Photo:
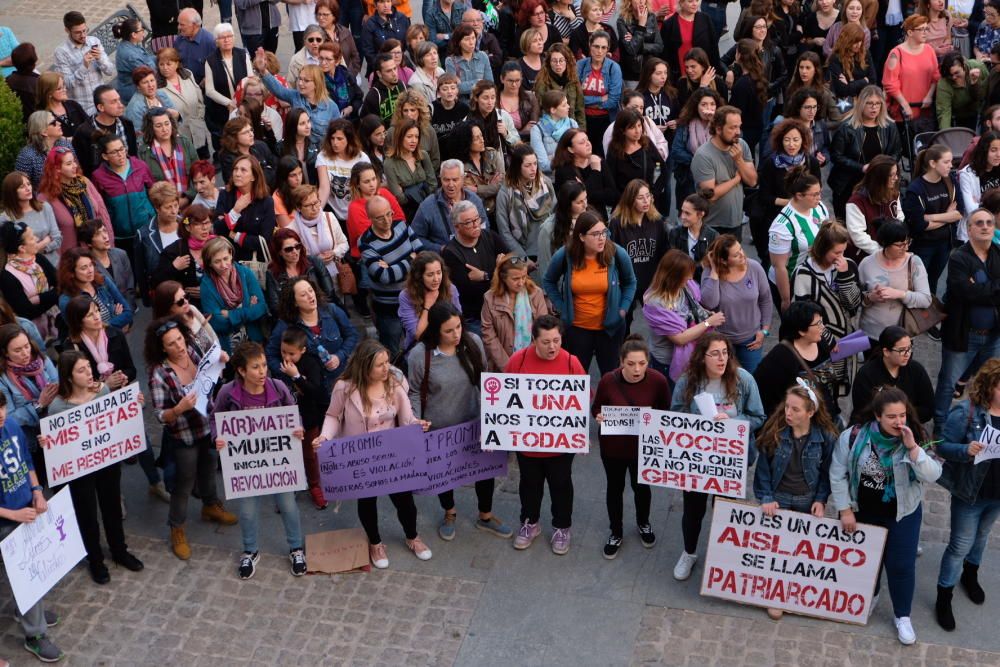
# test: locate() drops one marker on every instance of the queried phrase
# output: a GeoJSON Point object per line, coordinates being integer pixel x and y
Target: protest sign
{"type": "Point", "coordinates": [536, 413]}
{"type": "Point", "coordinates": [338, 551]}
{"type": "Point", "coordinates": [619, 420]}
{"type": "Point", "coordinates": [792, 561]}
{"type": "Point", "coordinates": [39, 554]}
{"type": "Point", "coordinates": [94, 435]}
{"type": "Point", "coordinates": [373, 464]}
{"type": "Point", "coordinates": [454, 458]}
{"type": "Point", "coordinates": [261, 455]}
{"type": "Point", "coordinates": [209, 371]}
{"type": "Point", "coordinates": [990, 438]}
{"type": "Point", "coordinates": [693, 453]}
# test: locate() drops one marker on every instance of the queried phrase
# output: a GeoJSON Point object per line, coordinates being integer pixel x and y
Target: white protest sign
{"type": "Point", "coordinates": [94, 435]}
{"type": "Point", "coordinates": [261, 455]}
{"type": "Point", "coordinates": [792, 561]}
{"type": "Point", "coordinates": [693, 453]}
{"type": "Point", "coordinates": [37, 555]}
{"type": "Point", "coordinates": [209, 371]}
{"type": "Point", "coordinates": [706, 404]}
{"type": "Point", "coordinates": [990, 437]}
{"type": "Point", "coordinates": [619, 420]}
{"type": "Point", "coordinates": [536, 413]}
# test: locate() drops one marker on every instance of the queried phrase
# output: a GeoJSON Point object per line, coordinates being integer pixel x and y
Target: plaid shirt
{"type": "Point", "coordinates": [81, 81]}
{"type": "Point", "coordinates": [167, 391]}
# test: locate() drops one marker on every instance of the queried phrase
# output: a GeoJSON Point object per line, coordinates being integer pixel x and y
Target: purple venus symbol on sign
{"type": "Point", "coordinates": [492, 387]}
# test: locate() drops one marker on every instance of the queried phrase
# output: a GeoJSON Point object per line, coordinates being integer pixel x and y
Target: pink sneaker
{"type": "Point", "coordinates": [526, 535]}
{"type": "Point", "coordinates": [560, 541]}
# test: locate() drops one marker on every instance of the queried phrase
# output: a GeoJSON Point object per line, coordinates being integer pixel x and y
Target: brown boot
{"type": "Point", "coordinates": [218, 514]}
{"type": "Point", "coordinates": [179, 543]}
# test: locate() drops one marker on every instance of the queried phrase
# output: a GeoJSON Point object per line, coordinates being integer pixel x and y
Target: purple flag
{"type": "Point", "coordinates": [373, 464]}
{"type": "Point", "coordinates": [454, 458]}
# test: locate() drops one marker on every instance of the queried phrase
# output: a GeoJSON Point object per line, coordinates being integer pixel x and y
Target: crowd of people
{"type": "Point", "coordinates": [495, 189]}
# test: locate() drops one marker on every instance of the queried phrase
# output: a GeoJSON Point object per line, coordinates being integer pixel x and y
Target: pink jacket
{"type": "Point", "coordinates": [65, 219]}
{"type": "Point", "coordinates": [346, 416]}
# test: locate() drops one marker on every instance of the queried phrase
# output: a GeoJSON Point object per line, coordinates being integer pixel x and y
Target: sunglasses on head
{"type": "Point", "coordinates": [165, 327]}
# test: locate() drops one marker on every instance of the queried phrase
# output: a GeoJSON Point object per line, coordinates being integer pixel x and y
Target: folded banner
{"type": "Point", "coordinates": [536, 413]}
{"type": "Point", "coordinates": [261, 455]}
{"type": "Point", "coordinates": [792, 561]}
{"type": "Point", "coordinates": [693, 453]}
{"type": "Point", "coordinates": [94, 435]}
{"type": "Point", "coordinates": [454, 458]}
{"type": "Point", "coordinates": [850, 345]}
{"type": "Point", "coordinates": [37, 555]}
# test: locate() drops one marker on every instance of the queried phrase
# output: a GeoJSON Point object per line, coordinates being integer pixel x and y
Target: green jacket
{"type": "Point", "coordinates": [965, 102]}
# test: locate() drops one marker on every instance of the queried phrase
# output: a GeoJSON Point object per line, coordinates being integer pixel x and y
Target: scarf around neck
{"type": "Point", "coordinates": [99, 351]}
{"type": "Point", "coordinates": [30, 378]}
{"type": "Point", "coordinates": [785, 161]}
{"type": "Point", "coordinates": [884, 448]}
{"type": "Point", "coordinates": [230, 288]}
{"type": "Point", "coordinates": [74, 196]}
{"type": "Point", "coordinates": [33, 271]}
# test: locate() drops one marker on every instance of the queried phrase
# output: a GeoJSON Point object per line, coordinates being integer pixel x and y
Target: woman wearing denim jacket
{"type": "Point", "coordinates": [713, 369]}
{"type": "Point", "coordinates": [793, 470]}
{"type": "Point", "coordinates": [875, 478]}
{"type": "Point", "coordinates": [974, 487]}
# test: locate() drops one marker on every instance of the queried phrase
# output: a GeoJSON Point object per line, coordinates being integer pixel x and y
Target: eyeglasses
{"type": "Point", "coordinates": [604, 233]}
{"type": "Point", "coordinates": [289, 249]}
{"type": "Point", "coordinates": [873, 103]}
{"type": "Point", "coordinates": [516, 261]}
{"type": "Point", "coordinates": [165, 327]}
{"type": "Point", "coordinates": [902, 245]}
{"type": "Point", "coordinates": [475, 222]}
{"type": "Point", "coordinates": [117, 151]}
{"type": "Point", "coordinates": [818, 323]}
{"type": "Point", "coordinates": [325, 59]}
{"type": "Point", "coordinates": [809, 107]}
{"type": "Point", "coordinates": [53, 122]}
{"type": "Point", "coordinates": [902, 350]}
{"type": "Point", "coordinates": [718, 354]}
{"type": "Point", "coordinates": [181, 302]}
{"type": "Point", "coordinates": [982, 222]}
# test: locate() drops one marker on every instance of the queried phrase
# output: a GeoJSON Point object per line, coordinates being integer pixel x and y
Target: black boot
{"type": "Point", "coordinates": [970, 582]}
{"type": "Point", "coordinates": [942, 608]}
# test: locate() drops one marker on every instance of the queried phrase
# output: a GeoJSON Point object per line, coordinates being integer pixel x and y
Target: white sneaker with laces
{"type": "Point", "coordinates": [684, 566]}
{"type": "Point", "coordinates": [904, 630]}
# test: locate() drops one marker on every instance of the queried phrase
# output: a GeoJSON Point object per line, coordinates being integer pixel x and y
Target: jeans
{"type": "Point", "coordinates": [586, 344]}
{"type": "Point", "coordinates": [617, 471]}
{"type": "Point", "coordinates": [749, 359]}
{"type": "Point", "coordinates": [787, 501]}
{"type": "Point", "coordinates": [558, 472]}
{"type": "Point", "coordinates": [196, 462]}
{"type": "Point", "coordinates": [970, 530]}
{"type": "Point", "coordinates": [980, 347]}
{"type": "Point", "coordinates": [717, 13]}
{"type": "Point", "coordinates": [351, 14]}
{"type": "Point", "coordinates": [389, 327]}
{"type": "Point", "coordinates": [250, 514]}
{"type": "Point", "coordinates": [900, 558]}
{"type": "Point", "coordinates": [484, 496]}
{"type": "Point", "coordinates": [935, 259]}
{"type": "Point", "coordinates": [406, 512]}
{"type": "Point", "coordinates": [33, 620]}
{"type": "Point", "coordinates": [100, 489]}
{"type": "Point", "coordinates": [148, 464]}
{"type": "Point", "coordinates": [474, 326]}
{"type": "Point", "coordinates": [695, 506]}
{"type": "Point", "coordinates": [225, 11]}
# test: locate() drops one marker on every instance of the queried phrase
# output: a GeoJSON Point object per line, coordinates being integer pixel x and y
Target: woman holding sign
{"type": "Point", "coordinates": [793, 470]}
{"type": "Point", "coordinates": [369, 398]}
{"type": "Point", "coordinates": [634, 384]}
{"type": "Point", "coordinates": [100, 488]}
{"type": "Point", "coordinates": [253, 390]}
{"type": "Point", "coordinates": [714, 370]}
{"type": "Point", "coordinates": [875, 478]}
{"type": "Point", "coordinates": [444, 369]}
{"type": "Point", "coordinates": [974, 487]}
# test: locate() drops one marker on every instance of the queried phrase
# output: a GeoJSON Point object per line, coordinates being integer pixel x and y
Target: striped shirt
{"type": "Point", "coordinates": [792, 234]}
{"type": "Point", "coordinates": [395, 252]}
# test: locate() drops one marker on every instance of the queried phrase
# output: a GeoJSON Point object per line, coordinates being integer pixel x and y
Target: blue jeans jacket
{"type": "Point", "coordinates": [337, 335]}
{"type": "Point", "coordinates": [815, 465]}
{"type": "Point", "coordinates": [961, 475]}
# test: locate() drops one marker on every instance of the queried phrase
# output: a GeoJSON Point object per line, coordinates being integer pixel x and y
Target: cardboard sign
{"type": "Point", "coordinates": [209, 371]}
{"type": "Point", "coordinates": [693, 453]}
{"type": "Point", "coordinates": [454, 458]}
{"type": "Point", "coordinates": [338, 551]}
{"type": "Point", "coordinates": [536, 413]}
{"type": "Point", "coordinates": [373, 464]}
{"type": "Point", "coordinates": [792, 561]}
{"type": "Point", "coordinates": [990, 437]}
{"type": "Point", "coordinates": [39, 554]}
{"type": "Point", "coordinates": [620, 420]}
{"type": "Point", "coordinates": [261, 455]}
{"type": "Point", "coordinates": [94, 435]}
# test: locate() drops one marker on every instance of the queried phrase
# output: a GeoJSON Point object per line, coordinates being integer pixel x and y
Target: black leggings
{"type": "Point", "coordinates": [616, 471]}
{"type": "Point", "coordinates": [535, 472]}
{"type": "Point", "coordinates": [100, 490]}
{"type": "Point", "coordinates": [484, 494]}
{"type": "Point", "coordinates": [695, 506]}
{"type": "Point", "coordinates": [406, 512]}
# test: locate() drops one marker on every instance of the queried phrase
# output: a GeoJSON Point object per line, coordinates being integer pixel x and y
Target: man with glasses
{"type": "Point", "coordinates": [432, 221]}
{"type": "Point", "coordinates": [109, 119]}
{"type": "Point", "coordinates": [193, 42]}
{"type": "Point", "coordinates": [82, 62]}
{"type": "Point", "coordinates": [971, 333]}
{"type": "Point", "coordinates": [472, 256]}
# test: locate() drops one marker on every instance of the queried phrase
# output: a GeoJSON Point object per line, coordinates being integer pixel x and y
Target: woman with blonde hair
{"type": "Point", "coordinates": [309, 94]}
{"type": "Point", "coordinates": [53, 97]}
{"type": "Point", "coordinates": [44, 132]}
{"type": "Point", "coordinates": [413, 106]}
{"type": "Point", "coordinates": [186, 96]}
{"type": "Point", "coordinates": [231, 296]}
{"type": "Point", "coordinates": [512, 303]}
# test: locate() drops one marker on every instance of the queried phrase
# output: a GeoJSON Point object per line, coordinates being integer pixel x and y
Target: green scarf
{"type": "Point", "coordinates": [884, 447]}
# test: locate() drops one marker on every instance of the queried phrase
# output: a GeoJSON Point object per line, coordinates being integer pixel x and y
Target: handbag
{"type": "Point", "coordinates": [346, 282]}
{"type": "Point", "coordinates": [918, 320]}
{"type": "Point", "coordinates": [258, 265]}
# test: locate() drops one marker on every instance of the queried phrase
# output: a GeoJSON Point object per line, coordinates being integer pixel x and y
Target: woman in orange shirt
{"type": "Point", "coordinates": [911, 74]}
{"type": "Point", "coordinates": [591, 283]}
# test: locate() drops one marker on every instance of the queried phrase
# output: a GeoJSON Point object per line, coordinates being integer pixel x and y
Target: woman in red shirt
{"type": "Point", "coordinates": [911, 74]}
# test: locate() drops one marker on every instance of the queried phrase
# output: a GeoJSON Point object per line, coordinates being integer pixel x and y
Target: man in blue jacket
{"type": "Point", "coordinates": [432, 223]}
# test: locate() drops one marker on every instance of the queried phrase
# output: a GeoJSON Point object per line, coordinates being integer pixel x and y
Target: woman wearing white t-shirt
{"type": "Point", "coordinates": [793, 230]}
{"type": "Point", "coordinates": [341, 150]}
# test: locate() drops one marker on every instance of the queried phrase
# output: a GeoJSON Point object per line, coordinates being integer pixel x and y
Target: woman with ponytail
{"type": "Point", "coordinates": [794, 229]}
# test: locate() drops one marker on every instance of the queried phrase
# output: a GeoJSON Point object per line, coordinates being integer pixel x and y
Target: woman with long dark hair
{"type": "Point", "coordinates": [697, 72]}
{"type": "Point", "coordinates": [298, 144]}
{"type": "Point", "coordinates": [693, 131]}
{"type": "Point", "coordinates": [555, 232]}
{"type": "Point", "coordinates": [692, 237]}
{"type": "Point", "coordinates": [930, 208]}
{"type": "Point", "coordinates": [575, 160]}
{"type": "Point", "coordinates": [245, 210]}
{"type": "Point", "coordinates": [559, 73]}
{"type": "Point", "coordinates": [28, 280]}
{"type": "Point", "coordinates": [484, 166]}
{"type": "Point", "coordinates": [340, 151]}
{"type": "Point", "coordinates": [875, 200]}
{"type": "Point", "coordinates": [427, 283]}
{"type": "Point", "coordinates": [981, 175]}
{"type": "Point", "coordinates": [181, 260]}
{"type": "Point", "coordinates": [518, 100]}
{"type": "Point", "coordinates": [29, 380]}
{"type": "Point", "coordinates": [631, 155]}
{"type": "Point", "coordinates": [289, 176]}
{"type": "Point", "coordinates": [78, 274]}
{"type": "Point", "coordinates": [525, 200]}
{"type": "Point", "coordinates": [850, 66]}
{"type": "Point", "coordinates": [409, 172]}
{"type": "Point", "coordinates": [750, 91]}
{"type": "Point", "coordinates": [289, 260]}
{"type": "Point", "coordinates": [638, 227]}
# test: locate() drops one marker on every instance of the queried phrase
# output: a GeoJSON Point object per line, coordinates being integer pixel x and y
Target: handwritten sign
{"type": "Point", "coordinates": [261, 455]}
{"type": "Point", "coordinates": [792, 561]}
{"type": "Point", "coordinates": [693, 453]}
{"type": "Point", "coordinates": [454, 458]}
{"type": "Point", "coordinates": [336, 551]}
{"type": "Point", "coordinates": [620, 420]}
{"type": "Point", "coordinates": [39, 554]}
{"type": "Point", "coordinates": [94, 435]}
{"type": "Point", "coordinates": [209, 371]}
{"type": "Point", "coordinates": [536, 413]}
{"type": "Point", "coordinates": [373, 464]}
{"type": "Point", "coordinates": [990, 437]}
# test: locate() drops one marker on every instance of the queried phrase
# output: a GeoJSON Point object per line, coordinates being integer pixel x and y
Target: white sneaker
{"type": "Point", "coordinates": [904, 630]}
{"type": "Point", "coordinates": [684, 566]}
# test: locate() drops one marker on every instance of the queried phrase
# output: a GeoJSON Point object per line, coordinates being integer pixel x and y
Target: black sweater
{"type": "Point", "coordinates": [963, 293]}
{"type": "Point", "coordinates": [913, 380]}
{"type": "Point", "coordinates": [13, 292]}
{"type": "Point", "coordinates": [118, 353]}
